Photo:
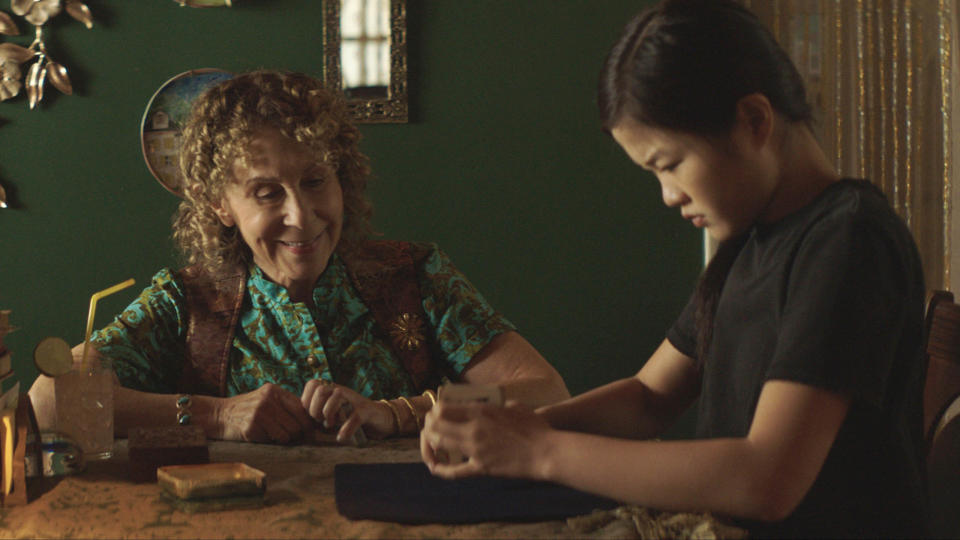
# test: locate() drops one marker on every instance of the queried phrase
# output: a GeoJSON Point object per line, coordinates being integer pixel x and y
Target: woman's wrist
{"type": "Point", "coordinates": [205, 412]}
{"type": "Point", "coordinates": [394, 414]}
{"type": "Point", "coordinates": [408, 413]}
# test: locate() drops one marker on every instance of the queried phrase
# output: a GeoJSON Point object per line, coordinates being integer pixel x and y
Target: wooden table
{"type": "Point", "coordinates": [102, 502]}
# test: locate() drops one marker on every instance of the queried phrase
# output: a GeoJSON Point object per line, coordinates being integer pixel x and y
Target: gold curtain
{"type": "Point", "coordinates": [880, 75]}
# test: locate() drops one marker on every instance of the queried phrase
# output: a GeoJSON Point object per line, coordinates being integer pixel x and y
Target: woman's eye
{"type": "Point", "coordinates": [315, 182]}
{"type": "Point", "coordinates": [267, 193]}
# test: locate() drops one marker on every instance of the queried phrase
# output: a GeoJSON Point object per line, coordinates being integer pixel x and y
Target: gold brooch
{"type": "Point", "coordinates": [407, 331]}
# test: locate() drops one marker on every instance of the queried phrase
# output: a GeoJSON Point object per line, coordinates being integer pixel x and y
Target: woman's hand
{"type": "Point", "coordinates": [268, 414]}
{"type": "Point", "coordinates": [501, 441]}
{"type": "Point", "coordinates": [323, 402]}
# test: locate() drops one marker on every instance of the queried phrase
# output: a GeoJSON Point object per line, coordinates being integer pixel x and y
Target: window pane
{"type": "Point", "coordinates": [351, 18]}
{"type": "Point", "coordinates": [351, 64]}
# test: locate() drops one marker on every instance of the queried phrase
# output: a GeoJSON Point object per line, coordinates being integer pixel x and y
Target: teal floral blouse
{"type": "Point", "coordinates": [288, 343]}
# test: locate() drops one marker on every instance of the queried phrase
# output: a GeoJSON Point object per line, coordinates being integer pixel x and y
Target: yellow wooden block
{"type": "Point", "coordinates": [7, 438]}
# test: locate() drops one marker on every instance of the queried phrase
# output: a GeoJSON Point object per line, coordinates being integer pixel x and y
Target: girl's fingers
{"type": "Point", "coordinates": [426, 451]}
{"type": "Point", "coordinates": [455, 470]}
{"type": "Point", "coordinates": [447, 439]}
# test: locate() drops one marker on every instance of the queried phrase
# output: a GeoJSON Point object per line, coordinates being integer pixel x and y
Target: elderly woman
{"type": "Point", "coordinates": [288, 311]}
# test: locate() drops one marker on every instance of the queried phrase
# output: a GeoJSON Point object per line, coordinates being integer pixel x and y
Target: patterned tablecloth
{"type": "Point", "coordinates": [102, 502]}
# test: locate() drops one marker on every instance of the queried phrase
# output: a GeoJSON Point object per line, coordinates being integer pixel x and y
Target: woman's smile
{"type": "Point", "coordinates": [302, 247]}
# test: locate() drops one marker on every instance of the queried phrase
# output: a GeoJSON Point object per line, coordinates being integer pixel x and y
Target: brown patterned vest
{"type": "Point", "coordinates": [383, 273]}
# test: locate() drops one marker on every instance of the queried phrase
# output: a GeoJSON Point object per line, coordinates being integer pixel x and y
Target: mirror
{"type": "Point", "coordinates": [365, 55]}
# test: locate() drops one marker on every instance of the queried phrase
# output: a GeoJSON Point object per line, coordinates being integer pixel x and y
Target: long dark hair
{"type": "Point", "coordinates": [682, 65]}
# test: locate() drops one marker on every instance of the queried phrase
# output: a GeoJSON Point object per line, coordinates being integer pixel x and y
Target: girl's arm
{"type": "Point", "coordinates": [637, 407]}
{"type": "Point", "coordinates": [761, 476]}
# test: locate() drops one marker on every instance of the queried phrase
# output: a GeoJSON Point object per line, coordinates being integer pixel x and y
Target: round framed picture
{"type": "Point", "coordinates": [163, 119]}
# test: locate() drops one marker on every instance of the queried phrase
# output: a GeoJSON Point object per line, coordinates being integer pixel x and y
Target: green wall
{"type": "Point", "coordinates": [502, 164]}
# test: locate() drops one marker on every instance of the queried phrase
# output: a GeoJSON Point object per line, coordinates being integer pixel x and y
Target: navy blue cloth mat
{"type": "Point", "coordinates": [408, 493]}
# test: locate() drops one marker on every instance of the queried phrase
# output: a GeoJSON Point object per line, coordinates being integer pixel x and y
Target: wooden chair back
{"type": "Point", "coordinates": [941, 413]}
{"type": "Point", "coordinates": [942, 327]}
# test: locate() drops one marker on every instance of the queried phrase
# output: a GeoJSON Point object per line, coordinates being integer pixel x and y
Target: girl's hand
{"type": "Point", "coordinates": [500, 441]}
{"type": "Point", "coordinates": [323, 400]}
{"type": "Point", "coordinates": [268, 414]}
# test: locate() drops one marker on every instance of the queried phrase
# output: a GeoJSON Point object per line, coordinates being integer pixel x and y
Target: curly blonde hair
{"type": "Point", "coordinates": [223, 121]}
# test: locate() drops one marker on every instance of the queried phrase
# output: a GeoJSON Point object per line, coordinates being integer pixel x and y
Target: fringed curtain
{"type": "Point", "coordinates": [880, 75]}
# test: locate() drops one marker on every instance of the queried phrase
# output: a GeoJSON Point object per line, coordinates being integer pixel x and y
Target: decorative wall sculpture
{"type": "Point", "coordinates": [42, 67]}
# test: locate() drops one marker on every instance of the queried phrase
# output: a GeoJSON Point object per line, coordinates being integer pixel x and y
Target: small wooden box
{"type": "Point", "coordinates": [212, 480]}
{"type": "Point", "coordinates": [150, 448]}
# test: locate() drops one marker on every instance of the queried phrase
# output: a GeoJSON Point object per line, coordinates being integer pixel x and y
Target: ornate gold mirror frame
{"type": "Point", "coordinates": [384, 100]}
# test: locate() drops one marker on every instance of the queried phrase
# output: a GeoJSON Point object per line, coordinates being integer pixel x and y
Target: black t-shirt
{"type": "Point", "coordinates": [831, 296]}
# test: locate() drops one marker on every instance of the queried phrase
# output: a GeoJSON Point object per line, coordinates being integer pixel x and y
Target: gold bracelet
{"type": "Point", "coordinates": [433, 398]}
{"type": "Point", "coordinates": [412, 411]}
{"type": "Point", "coordinates": [396, 413]}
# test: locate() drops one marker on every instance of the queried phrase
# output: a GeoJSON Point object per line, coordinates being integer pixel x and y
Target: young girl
{"type": "Point", "coordinates": [801, 344]}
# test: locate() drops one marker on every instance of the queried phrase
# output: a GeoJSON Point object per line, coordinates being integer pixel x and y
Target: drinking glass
{"type": "Point", "coordinates": [84, 403]}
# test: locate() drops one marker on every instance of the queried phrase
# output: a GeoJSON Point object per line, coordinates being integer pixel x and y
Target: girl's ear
{"type": "Point", "coordinates": [223, 212]}
{"type": "Point", "coordinates": [755, 117]}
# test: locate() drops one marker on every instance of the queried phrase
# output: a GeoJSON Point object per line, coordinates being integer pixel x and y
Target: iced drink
{"type": "Point", "coordinates": [85, 407]}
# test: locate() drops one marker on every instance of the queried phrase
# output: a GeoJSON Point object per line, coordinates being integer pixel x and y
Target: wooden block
{"type": "Point", "coordinates": [211, 480]}
{"type": "Point", "coordinates": [8, 435]}
{"type": "Point", "coordinates": [24, 423]}
{"type": "Point", "coordinates": [152, 447]}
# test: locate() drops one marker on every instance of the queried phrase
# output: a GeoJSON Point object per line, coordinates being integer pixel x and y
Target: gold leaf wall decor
{"type": "Point", "coordinates": [15, 75]}
{"type": "Point", "coordinates": [9, 78]}
{"type": "Point", "coordinates": [7, 26]}
{"type": "Point", "coordinates": [80, 12]}
{"type": "Point", "coordinates": [43, 69]}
